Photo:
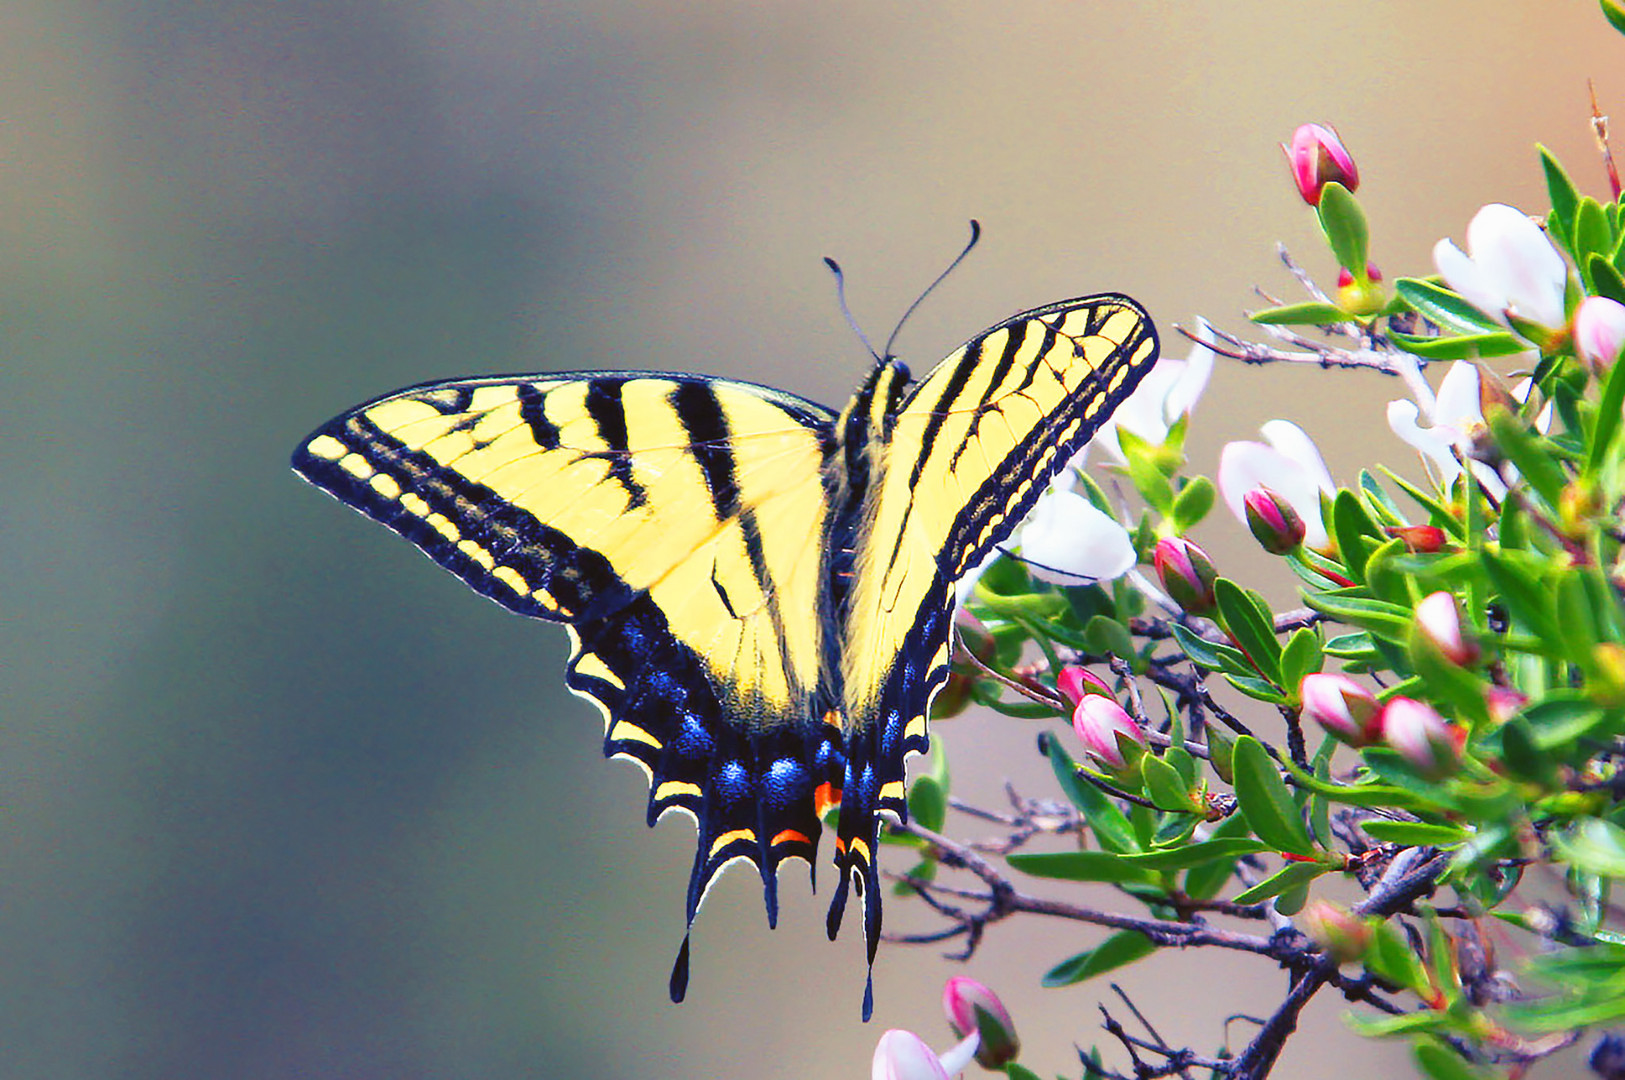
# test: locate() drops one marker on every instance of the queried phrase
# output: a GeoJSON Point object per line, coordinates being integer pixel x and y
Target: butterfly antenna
{"type": "Point", "coordinates": [975, 235]}
{"type": "Point", "coordinates": [840, 298]}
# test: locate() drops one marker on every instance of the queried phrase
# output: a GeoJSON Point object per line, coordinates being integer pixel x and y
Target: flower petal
{"type": "Point", "coordinates": [1068, 541]}
{"type": "Point", "coordinates": [1519, 262]}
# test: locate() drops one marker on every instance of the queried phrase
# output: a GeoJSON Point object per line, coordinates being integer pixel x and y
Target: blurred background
{"type": "Point", "coordinates": [282, 799]}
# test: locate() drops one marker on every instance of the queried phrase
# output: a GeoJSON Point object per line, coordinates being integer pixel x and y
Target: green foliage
{"type": "Point", "coordinates": [1517, 713]}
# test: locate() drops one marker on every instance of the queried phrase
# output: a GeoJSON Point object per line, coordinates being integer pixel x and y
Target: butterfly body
{"type": "Point", "coordinates": [759, 590]}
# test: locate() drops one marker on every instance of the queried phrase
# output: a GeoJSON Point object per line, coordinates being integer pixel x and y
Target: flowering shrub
{"type": "Point", "coordinates": [1442, 720]}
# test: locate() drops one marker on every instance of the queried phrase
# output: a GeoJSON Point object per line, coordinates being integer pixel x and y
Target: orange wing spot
{"type": "Point", "coordinates": [840, 846]}
{"type": "Point", "coordinates": [826, 795]}
{"type": "Point", "coordinates": [832, 718]}
{"type": "Point", "coordinates": [790, 836]}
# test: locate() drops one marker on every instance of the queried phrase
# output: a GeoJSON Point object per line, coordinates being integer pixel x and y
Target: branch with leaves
{"type": "Point", "coordinates": [1442, 721]}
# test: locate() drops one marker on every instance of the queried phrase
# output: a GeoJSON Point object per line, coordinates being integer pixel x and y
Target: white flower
{"type": "Point", "coordinates": [903, 1055]}
{"type": "Point", "coordinates": [1169, 390]}
{"type": "Point", "coordinates": [1510, 266]}
{"type": "Point", "coordinates": [1066, 540]}
{"type": "Point", "coordinates": [1457, 425]}
{"type": "Point", "coordinates": [1290, 466]}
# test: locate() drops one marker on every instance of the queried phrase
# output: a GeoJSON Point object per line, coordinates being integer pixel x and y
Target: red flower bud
{"type": "Point", "coordinates": [972, 1008]}
{"type": "Point", "coordinates": [1429, 744]}
{"type": "Point", "coordinates": [1074, 682]}
{"type": "Point", "coordinates": [1348, 711]}
{"type": "Point", "coordinates": [1187, 573]}
{"type": "Point", "coordinates": [1317, 157]}
{"type": "Point", "coordinates": [1273, 521]}
{"type": "Point", "coordinates": [1438, 621]}
{"type": "Point", "coordinates": [1422, 539]}
{"type": "Point", "coordinates": [1342, 934]}
{"type": "Point", "coordinates": [1108, 733]}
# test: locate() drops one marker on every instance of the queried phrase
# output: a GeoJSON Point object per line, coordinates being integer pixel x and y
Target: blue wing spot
{"type": "Point", "coordinates": [785, 783]}
{"type": "Point", "coordinates": [694, 741]}
{"type": "Point", "coordinates": [733, 782]}
{"type": "Point", "coordinates": [891, 735]}
{"type": "Point", "coordinates": [666, 686]}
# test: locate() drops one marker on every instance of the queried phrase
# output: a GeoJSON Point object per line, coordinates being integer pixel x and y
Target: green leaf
{"type": "Point", "coordinates": [1356, 646]}
{"type": "Point", "coordinates": [1390, 957]}
{"type": "Point", "coordinates": [1291, 876]}
{"type": "Point", "coordinates": [1414, 833]}
{"type": "Point", "coordinates": [1108, 823]}
{"type": "Point", "coordinates": [1464, 347]}
{"type": "Point", "coordinates": [1309, 313]}
{"type": "Point", "coordinates": [1343, 222]}
{"type": "Point", "coordinates": [1388, 621]}
{"type": "Point", "coordinates": [1591, 232]}
{"type": "Point", "coordinates": [1105, 635]}
{"type": "Point", "coordinates": [1350, 523]}
{"type": "Point", "coordinates": [1438, 1061]}
{"type": "Point", "coordinates": [1301, 657]}
{"type": "Point", "coordinates": [1256, 688]}
{"type": "Point", "coordinates": [1248, 619]}
{"type": "Point", "coordinates": [1595, 846]}
{"type": "Point", "coordinates": [1122, 948]}
{"type": "Point", "coordinates": [1447, 681]}
{"type": "Point", "coordinates": [1192, 503]}
{"type": "Point", "coordinates": [1530, 453]}
{"type": "Point", "coordinates": [1265, 800]}
{"type": "Point", "coordinates": [928, 803]}
{"type": "Point", "coordinates": [1017, 1071]}
{"type": "Point", "coordinates": [1614, 12]}
{"type": "Point", "coordinates": [1166, 787]}
{"type": "Point", "coordinates": [1081, 866]}
{"type": "Point", "coordinates": [1222, 849]}
{"type": "Point", "coordinates": [1605, 280]}
{"type": "Point", "coordinates": [1609, 409]}
{"type": "Point", "coordinates": [1381, 1026]}
{"type": "Point", "coordinates": [1209, 654]}
{"type": "Point", "coordinates": [1445, 308]}
{"type": "Point", "coordinates": [1565, 200]}
{"type": "Point", "coordinates": [1518, 584]}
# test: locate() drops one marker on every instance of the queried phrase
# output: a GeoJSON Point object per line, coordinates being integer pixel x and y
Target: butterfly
{"type": "Point", "coordinates": [759, 590]}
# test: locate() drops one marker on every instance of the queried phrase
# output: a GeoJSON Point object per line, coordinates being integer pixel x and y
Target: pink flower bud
{"type": "Point", "coordinates": [1439, 622]}
{"type": "Point", "coordinates": [1317, 157]}
{"type": "Point", "coordinates": [1599, 330]}
{"type": "Point", "coordinates": [1187, 573]}
{"type": "Point", "coordinates": [972, 1008]}
{"type": "Point", "coordinates": [1429, 743]}
{"type": "Point", "coordinates": [1273, 521]}
{"type": "Point", "coordinates": [1342, 934]}
{"type": "Point", "coordinates": [1074, 682]}
{"type": "Point", "coordinates": [1503, 703]}
{"type": "Point", "coordinates": [1422, 539]}
{"type": "Point", "coordinates": [903, 1055]}
{"type": "Point", "coordinates": [1106, 731]}
{"type": "Point", "coordinates": [1348, 711]}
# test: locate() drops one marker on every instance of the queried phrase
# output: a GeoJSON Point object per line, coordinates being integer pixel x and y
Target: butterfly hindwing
{"type": "Point", "coordinates": [959, 464]}
{"type": "Point", "coordinates": [632, 508]}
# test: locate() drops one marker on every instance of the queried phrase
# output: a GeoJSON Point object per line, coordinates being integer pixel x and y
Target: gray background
{"type": "Point", "coordinates": [282, 799]}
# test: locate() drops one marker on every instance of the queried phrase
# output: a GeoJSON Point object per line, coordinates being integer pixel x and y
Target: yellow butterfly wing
{"type": "Point", "coordinates": [953, 470]}
{"type": "Point", "coordinates": [677, 525]}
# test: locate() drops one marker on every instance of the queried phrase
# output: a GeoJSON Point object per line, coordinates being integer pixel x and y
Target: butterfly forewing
{"type": "Point", "coordinates": [676, 523]}
{"type": "Point", "coordinates": [960, 464]}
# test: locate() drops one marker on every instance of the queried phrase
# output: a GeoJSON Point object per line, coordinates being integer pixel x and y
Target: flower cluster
{"type": "Point", "coordinates": [1446, 705]}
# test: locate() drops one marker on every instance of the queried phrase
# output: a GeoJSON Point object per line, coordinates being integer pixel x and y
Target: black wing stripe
{"type": "Point", "coordinates": [609, 414]}
{"type": "Point", "coordinates": [533, 412]}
